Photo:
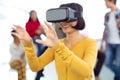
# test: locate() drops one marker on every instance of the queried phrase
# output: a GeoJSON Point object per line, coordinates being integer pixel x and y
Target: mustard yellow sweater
{"type": "Point", "coordinates": [76, 63]}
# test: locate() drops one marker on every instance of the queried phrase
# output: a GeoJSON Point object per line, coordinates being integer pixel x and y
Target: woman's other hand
{"type": "Point", "coordinates": [21, 33]}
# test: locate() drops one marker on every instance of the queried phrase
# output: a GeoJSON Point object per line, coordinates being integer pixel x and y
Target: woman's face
{"type": "Point", "coordinates": [33, 16]}
{"type": "Point", "coordinates": [67, 27]}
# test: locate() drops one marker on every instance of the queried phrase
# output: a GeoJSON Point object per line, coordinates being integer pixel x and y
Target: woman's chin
{"type": "Point", "coordinates": [66, 32]}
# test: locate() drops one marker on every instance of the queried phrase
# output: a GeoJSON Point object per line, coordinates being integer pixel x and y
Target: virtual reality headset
{"type": "Point", "coordinates": [62, 14]}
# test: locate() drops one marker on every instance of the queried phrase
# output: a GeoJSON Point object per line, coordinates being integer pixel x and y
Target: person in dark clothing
{"type": "Point", "coordinates": [99, 64]}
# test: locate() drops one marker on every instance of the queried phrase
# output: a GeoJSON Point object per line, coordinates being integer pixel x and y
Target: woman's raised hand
{"type": "Point", "coordinates": [51, 36]}
{"type": "Point", "coordinates": [21, 33]}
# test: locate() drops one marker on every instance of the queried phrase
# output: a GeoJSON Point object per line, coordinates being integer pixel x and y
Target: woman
{"type": "Point", "coordinates": [35, 30]}
{"type": "Point", "coordinates": [74, 56]}
{"type": "Point", "coordinates": [17, 61]}
{"type": "Point", "coordinates": [33, 26]}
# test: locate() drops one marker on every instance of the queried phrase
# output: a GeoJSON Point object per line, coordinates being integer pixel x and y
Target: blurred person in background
{"type": "Point", "coordinates": [35, 30]}
{"type": "Point", "coordinates": [111, 37]}
{"type": "Point", "coordinates": [18, 61]}
{"type": "Point", "coordinates": [99, 64]}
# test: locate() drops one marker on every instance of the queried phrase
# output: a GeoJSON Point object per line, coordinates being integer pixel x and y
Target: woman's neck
{"type": "Point", "coordinates": [72, 35]}
{"type": "Point", "coordinates": [73, 38]}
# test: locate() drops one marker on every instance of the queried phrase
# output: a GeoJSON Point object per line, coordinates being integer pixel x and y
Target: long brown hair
{"type": "Point", "coordinates": [30, 16]}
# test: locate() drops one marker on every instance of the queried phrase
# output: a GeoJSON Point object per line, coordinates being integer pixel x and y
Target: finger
{"type": "Point", "coordinates": [48, 25]}
{"type": "Point", "coordinates": [40, 41]}
{"type": "Point", "coordinates": [15, 27]}
{"type": "Point", "coordinates": [44, 28]}
{"type": "Point", "coordinates": [15, 34]}
{"type": "Point", "coordinates": [18, 28]}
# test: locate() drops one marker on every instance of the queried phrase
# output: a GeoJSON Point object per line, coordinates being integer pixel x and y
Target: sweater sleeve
{"type": "Point", "coordinates": [37, 63]}
{"type": "Point", "coordinates": [84, 66]}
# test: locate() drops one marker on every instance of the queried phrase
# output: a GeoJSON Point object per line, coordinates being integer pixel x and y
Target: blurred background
{"type": "Point", "coordinates": [17, 12]}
